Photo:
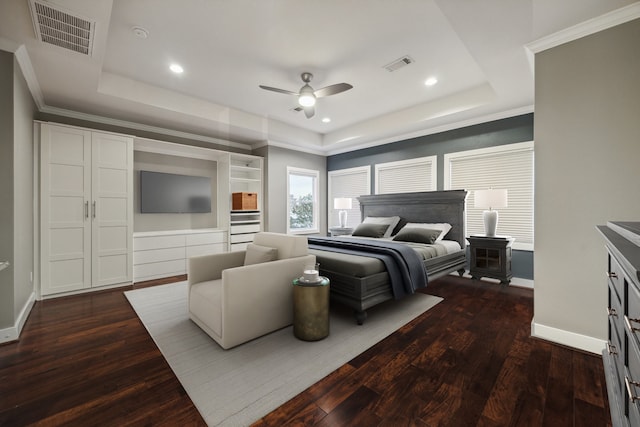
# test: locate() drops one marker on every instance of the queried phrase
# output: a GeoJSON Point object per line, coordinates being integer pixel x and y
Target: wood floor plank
{"type": "Point", "coordinates": [469, 361]}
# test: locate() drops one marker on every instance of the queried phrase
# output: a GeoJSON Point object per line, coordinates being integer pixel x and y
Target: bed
{"type": "Point", "coordinates": [360, 282]}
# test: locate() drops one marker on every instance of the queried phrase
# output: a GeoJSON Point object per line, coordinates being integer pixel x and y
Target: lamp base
{"type": "Point", "coordinates": [490, 222]}
{"type": "Point", "coordinates": [343, 219]}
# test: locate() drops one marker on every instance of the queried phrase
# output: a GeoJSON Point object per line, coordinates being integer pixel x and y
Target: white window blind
{"type": "Point", "coordinates": [351, 183]}
{"type": "Point", "coordinates": [509, 166]}
{"type": "Point", "coordinates": [406, 176]}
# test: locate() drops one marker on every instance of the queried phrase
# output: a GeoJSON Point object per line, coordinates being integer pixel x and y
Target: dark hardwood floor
{"type": "Point", "coordinates": [88, 361]}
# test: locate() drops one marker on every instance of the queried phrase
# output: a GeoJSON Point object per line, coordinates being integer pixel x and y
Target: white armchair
{"type": "Point", "coordinates": [233, 302]}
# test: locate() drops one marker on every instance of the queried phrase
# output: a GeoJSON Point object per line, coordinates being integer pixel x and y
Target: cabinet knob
{"type": "Point", "coordinates": [611, 349]}
{"type": "Point", "coordinates": [612, 275]}
{"type": "Point", "coordinates": [612, 312]}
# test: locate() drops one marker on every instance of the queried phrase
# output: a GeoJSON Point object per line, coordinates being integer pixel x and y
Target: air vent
{"type": "Point", "coordinates": [399, 63]}
{"type": "Point", "coordinates": [62, 29]}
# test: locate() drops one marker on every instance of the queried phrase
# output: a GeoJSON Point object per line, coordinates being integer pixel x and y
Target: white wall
{"type": "Point", "coordinates": [587, 133]}
{"type": "Point", "coordinates": [23, 197]}
{"type": "Point", "coordinates": [16, 188]}
{"type": "Point", "coordinates": [177, 165]}
{"type": "Point", "coordinates": [275, 173]}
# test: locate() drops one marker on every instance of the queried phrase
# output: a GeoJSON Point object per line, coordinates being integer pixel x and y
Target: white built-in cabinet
{"type": "Point", "coordinates": [245, 176]}
{"type": "Point", "coordinates": [86, 209]}
{"type": "Point", "coordinates": [237, 173]}
{"type": "Point", "coordinates": [166, 253]}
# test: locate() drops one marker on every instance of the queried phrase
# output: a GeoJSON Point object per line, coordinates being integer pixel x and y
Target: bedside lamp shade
{"type": "Point", "coordinates": [342, 203]}
{"type": "Point", "coordinates": [490, 199]}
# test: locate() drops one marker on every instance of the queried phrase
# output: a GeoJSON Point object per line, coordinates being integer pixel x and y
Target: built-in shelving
{"type": "Point", "coordinates": [245, 176]}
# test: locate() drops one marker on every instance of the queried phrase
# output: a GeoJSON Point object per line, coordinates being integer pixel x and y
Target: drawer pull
{"type": "Point", "coordinates": [628, 321]}
{"type": "Point", "coordinates": [628, 383]}
{"type": "Point", "coordinates": [611, 349]}
{"type": "Point", "coordinates": [612, 312]}
{"type": "Point", "coordinates": [612, 275]}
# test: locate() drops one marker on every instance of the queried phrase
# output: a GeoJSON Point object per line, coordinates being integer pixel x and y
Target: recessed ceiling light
{"type": "Point", "coordinates": [326, 120]}
{"type": "Point", "coordinates": [176, 68]}
{"type": "Point", "coordinates": [431, 81]}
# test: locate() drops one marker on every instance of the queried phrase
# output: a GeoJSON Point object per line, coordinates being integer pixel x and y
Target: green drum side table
{"type": "Point", "coordinates": [311, 309]}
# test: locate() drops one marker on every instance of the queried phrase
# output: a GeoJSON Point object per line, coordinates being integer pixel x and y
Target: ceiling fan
{"type": "Point", "coordinates": [307, 96]}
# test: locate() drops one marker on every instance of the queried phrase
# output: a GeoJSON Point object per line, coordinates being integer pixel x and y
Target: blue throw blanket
{"type": "Point", "coordinates": [404, 266]}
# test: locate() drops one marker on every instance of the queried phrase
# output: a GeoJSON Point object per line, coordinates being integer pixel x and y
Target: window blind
{"type": "Point", "coordinates": [406, 176]}
{"type": "Point", "coordinates": [505, 167]}
{"type": "Point", "coordinates": [351, 183]}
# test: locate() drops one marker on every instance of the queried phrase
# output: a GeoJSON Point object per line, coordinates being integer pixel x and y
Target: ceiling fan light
{"type": "Point", "coordinates": [307, 100]}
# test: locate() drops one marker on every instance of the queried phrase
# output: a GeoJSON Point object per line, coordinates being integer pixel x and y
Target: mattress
{"type": "Point", "coordinates": [362, 266]}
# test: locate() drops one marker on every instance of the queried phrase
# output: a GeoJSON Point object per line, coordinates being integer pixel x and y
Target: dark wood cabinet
{"type": "Point", "coordinates": [621, 356]}
{"type": "Point", "coordinates": [490, 257]}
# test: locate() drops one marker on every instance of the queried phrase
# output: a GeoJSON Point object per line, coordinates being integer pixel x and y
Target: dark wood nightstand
{"type": "Point", "coordinates": [340, 231]}
{"type": "Point", "coordinates": [491, 257]}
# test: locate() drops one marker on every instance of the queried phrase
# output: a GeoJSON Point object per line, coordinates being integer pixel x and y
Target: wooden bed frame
{"type": "Point", "coordinates": [421, 207]}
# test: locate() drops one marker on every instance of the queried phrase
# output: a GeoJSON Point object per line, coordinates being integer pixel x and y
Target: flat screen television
{"type": "Point", "coordinates": [170, 193]}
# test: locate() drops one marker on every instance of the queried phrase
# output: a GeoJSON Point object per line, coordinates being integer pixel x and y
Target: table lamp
{"type": "Point", "coordinates": [342, 203]}
{"type": "Point", "coordinates": [490, 199]}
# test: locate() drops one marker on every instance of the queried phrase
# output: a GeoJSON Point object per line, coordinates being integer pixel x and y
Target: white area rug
{"type": "Point", "coordinates": [239, 386]}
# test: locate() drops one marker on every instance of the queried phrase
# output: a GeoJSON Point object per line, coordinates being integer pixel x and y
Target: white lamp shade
{"type": "Point", "coordinates": [490, 199]}
{"type": "Point", "coordinates": [342, 203]}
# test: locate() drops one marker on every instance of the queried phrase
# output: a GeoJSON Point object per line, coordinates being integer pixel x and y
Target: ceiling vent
{"type": "Point", "coordinates": [399, 63]}
{"type": "Point", "coordinates": [60, 28]}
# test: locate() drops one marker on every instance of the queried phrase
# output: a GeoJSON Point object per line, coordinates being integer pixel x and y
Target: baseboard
{"type": "Point", "coordinates": [515, 281]}
{"type": "Point", "coordinates": [13, 333]}
{"type": "Point", "coordinates": [571, 339]}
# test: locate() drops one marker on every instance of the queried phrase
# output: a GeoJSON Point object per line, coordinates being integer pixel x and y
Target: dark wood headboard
{"type": "Point", "coordinates": [426, 206]}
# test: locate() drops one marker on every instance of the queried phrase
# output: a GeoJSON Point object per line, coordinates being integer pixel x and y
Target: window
{"type": "Point", "coordinates": [352, 182]}
{"type": "Point", "coordinates": [406, 176]}
{"type": "Point", "coordinates": [302, 203]}
{"type": "Point", "coordinates": [506, 166]}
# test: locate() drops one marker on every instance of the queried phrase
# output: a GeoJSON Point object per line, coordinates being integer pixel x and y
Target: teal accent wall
{"type": "Point", "coordinates": [489, 134]}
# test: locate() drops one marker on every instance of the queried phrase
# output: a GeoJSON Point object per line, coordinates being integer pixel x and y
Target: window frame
{"type": "Point", "coordinates": [489, 151]}
{"type": "Point", "coordinates": [315, 174]}
{"type": "Point", "coordinates": [430, 160]}
{"type": "Point", "coordinates": [354, 212]}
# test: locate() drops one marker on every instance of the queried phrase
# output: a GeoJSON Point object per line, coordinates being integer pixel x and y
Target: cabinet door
{"type": "Point", "coordinates": [65, 224]}
{"type": "Point", "coordinates": [112, 209]}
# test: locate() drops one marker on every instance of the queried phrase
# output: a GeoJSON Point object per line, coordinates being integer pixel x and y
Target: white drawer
{"type": "Point", "coordinates": [248, 228]}
{"type": "Point", "coordinates": [238, 246]}
{"type": "Point", "coordinates": [206, 238]}
{"type": "Point", "coordinates": [242, 238]}
{"type": "Point", "coordinates": [158, 255]}
{"type": "Point", "coordinates": [158, 242]}
{"type": "Point", "coordinates": [205, 249]}
{"type": "Point", "coordinates": [159, 269]}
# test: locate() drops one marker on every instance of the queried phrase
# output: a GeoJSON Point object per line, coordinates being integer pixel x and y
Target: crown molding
{"type": "Point", "coordinates": [24, 61]}
{"type": "Point", "coordinates": [288, 146]}
{"type": "Point", "coordinates": [591, 26]}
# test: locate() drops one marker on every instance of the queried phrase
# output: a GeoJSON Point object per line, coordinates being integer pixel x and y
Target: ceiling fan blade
{"type": "Point", "coordinates": [275, 89]}
{"type": "Point", "coordinates": [309, 111]}
{"type": "Point", "coordinates": [332, 90]}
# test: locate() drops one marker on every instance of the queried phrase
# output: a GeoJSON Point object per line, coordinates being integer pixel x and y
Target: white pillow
{"type": "Point", "coordinates": [444, 226]}
{"type": "Point", "coordinates": [257, 254]}
{"type": "Point", "coordinates": [391, 220]}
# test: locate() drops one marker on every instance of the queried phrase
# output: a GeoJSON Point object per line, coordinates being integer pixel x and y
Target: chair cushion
{"type": "Point", "coordinates": [257, 254]}
{"type": "Point", "coordinates": [205, 301]}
